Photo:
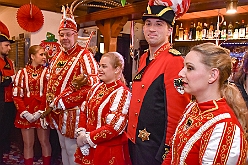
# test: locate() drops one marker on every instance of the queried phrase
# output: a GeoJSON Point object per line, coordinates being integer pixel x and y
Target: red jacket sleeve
{"type": "Point", "coordinates": [43, 98]}
{"type": "Point", "coordinates": [18, 91]}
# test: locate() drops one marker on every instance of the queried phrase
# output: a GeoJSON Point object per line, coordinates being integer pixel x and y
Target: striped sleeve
{"type": "Point", "coordinates": [18, 91]}
{"type": "Point", "coordinates": [225, 145]}
{"type": "Point", "coordinates": [89, 66]}
{"type": "Point", "coordinates": [115, 120]}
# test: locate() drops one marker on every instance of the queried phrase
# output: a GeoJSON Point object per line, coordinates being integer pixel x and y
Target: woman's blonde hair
{"type": "Point", "coordinates": [217, 57]}
{"type": "Point", "coordinates": [116, 60]}
{"type": "Point", "coordinates": [33, 50]}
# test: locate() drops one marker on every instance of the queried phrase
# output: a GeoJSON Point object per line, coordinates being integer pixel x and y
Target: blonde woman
{"type": "Point", "coordinates": [101, 137]}
{"type": "Point", "coordinates": [213, 129]}
{"type": "Point", "coordinates": [30, 100]}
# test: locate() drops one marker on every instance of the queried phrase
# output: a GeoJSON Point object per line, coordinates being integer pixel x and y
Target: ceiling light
{"type": "Point", "coordinates": [231, 6]}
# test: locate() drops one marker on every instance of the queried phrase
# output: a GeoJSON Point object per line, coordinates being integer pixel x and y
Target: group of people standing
{"type": "Point", "coordinates": [180, 110]}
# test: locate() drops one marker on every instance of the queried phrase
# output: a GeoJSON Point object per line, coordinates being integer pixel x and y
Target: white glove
{"type": "Point", "coordinates": [37, 114]}
{"type": "Point", "coordinates": [43, 123]}
{"type": "Point", "coordinates": [28, 116]}
{"type": "Point", "coordinates": [79, 131]}
{"type": "Point", "coordinates": [85, 149]}
{"type": "Point", "coordinates": [81, 139]}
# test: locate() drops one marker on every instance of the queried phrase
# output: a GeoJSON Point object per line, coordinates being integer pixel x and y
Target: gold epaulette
{"type": "Point", "coordinates": [175, 52]}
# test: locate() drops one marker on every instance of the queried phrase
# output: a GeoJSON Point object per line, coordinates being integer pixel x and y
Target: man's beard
{"type": "Point", "coordinates": [4, 54]}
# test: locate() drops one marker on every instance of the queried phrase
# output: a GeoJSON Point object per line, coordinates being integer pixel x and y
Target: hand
{"type": "Point", "coordinates": [79, 131]}
{"type": "Point", "coordinates": [43, 123]}
{"type": "Point", "coordinates": [37, 114]}
{"type": "Point", "coordinates": [81, 139]}
{"type": "Point", "coordinates": [29, 117]}
{"type": "Point", "coordinates": [5, 81]}
{"type": "Point", "coordinates": [46, 112]}
{"type": "Point", "coordinates": [79, 81]}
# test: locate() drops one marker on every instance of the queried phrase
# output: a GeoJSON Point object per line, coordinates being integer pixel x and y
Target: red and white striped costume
{"type": "Point", "coordinates": [106, 109]}
{"type": "Point", "coordinates": [64, 67]}
{"type": "Point", "coordinates": [29, 93]}
{"type": "Point", "coordinates": [208, 133]}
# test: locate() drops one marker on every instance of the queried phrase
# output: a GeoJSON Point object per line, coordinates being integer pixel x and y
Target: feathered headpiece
{"type": "Point", "coordinates": [4, 33]}
{"type": "Point", "coordinates": [68, 21]}
{"type": "Point", "coordinates": [167, 10]}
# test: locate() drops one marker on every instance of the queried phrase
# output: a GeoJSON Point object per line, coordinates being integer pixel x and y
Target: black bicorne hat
{"type": "Point", "coordinates": [161, 12]}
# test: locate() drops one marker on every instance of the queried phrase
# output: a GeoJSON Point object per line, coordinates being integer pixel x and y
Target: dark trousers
{"type": "Point", "coordinates": [54, 140]}
{"type": "Point", "coordinates": [7, 118]}
{"type": "Point", "coordinates": [142, 154]}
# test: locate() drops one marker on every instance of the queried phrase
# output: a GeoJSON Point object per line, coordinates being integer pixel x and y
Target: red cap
{"type": "Point", "coordinates": [68, 21]}
{"type": "Point", "coordinates": [4, 33]}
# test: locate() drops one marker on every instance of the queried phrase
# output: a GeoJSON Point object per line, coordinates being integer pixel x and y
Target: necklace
{"type": "Point", "coordinates": [35, 71]}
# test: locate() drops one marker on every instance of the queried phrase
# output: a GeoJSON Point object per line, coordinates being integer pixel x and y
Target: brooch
{"type": "Point", "coordinates": [178, 84]}
{"type": "Point", "coordinates": [60, 64]}
{"type": "Point", "coordinates": [144, 135]}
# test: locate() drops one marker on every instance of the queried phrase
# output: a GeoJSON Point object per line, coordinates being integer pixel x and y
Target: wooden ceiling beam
{"type": "Point", "coordinates": [131, 11]}
{"type": "Point", "coordinates": [48, 5]}
{"type": "Point", "coordinates": [202, 5]}
{"type": "Point", "coordinates": [136, 10]}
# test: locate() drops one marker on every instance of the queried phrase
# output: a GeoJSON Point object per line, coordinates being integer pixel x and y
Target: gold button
{"type": "Point", "coordinates": [133, 126]}
{"type": "Point", "coordinates": [142, 86]}
{"type": "Point", "coordinates": [138, 100]}
{"type": "Point", "coordinates": [136, 114]}
{"type": "Point", "coordinates": [132, 138]}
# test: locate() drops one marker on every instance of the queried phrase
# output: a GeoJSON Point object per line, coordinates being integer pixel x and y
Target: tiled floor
{"type": "Point", "coordinates": [15, 157]}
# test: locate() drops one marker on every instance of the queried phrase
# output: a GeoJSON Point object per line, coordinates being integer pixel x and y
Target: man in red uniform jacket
{"type": "Point", "coordinates": [72, 61]}
{"type": "Point", "coordinates": [156, 106]}
{"type": "Point", "coordinates": [7, 107]}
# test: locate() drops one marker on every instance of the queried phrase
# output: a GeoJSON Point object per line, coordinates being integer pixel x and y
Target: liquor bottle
{"type": "Point", "coordinates": [205, 31]}
{"type": "Point", "coordinates": [223, 30]}
{"type": "Point", "coordinates": [236, 30]}
{"type": "Point", "coordinates": [246, 33]}
{"type": "Point", "coordinates": [230, 31]}
{"type": "Point", "coordinates": [191, 31]}
{"type": "Point", "coordinates": [217, 31]}
{"type": "Point", "coordinates": [194, 32]}
{"type": "Point", "coordinates": [186, 34]}
{"type": "Point", "coordinates": [198, 31]}
{"type": "Point", "coordinates": [242, 29]}
{"type": "Point", "coordinates": [201, 30]}
{"type": "Point", "coordinates": [181, 32]}
{"type": "Point", "coordinates": [177, 33]}
{"type": "Point", "coordinates": [211, 31]}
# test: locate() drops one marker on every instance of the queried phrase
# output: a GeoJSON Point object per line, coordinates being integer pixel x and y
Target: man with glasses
{"type": "Point", "coordinates": [72, 61]}
{"type": "Point", "coordinates": [156, 106]}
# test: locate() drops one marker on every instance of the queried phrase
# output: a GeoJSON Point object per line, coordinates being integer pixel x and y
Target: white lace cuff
{"type": "Point", "coordinates": [89, 140]}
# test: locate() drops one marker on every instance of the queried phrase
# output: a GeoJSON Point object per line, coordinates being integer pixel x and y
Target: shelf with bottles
{"type": "Point", "coordinates": [231, 27]}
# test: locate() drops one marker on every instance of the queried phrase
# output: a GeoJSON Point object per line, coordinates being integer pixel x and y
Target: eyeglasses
{"type": "Point", "coordinates": [66, 34]}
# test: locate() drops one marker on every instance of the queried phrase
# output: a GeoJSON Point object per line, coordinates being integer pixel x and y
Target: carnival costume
{"type": "Point", "coordinates": [29, 93]}
{"type": "Point", "coordinates": [106, 109]}
{"type": "Point", "coordinates": [7, 107]}
{"type": "Point", "coordinates": [64, 67]}
{"type": "Point", "coordinates": [156, 106]}
{"type": "Point", "coordinates": [208, 133]}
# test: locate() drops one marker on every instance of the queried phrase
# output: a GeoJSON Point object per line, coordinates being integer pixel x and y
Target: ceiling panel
{"type": "Point", "coordinates": [211, 13]}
